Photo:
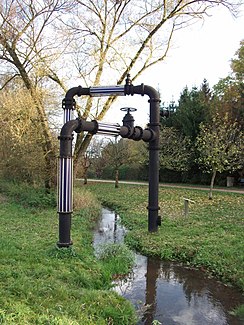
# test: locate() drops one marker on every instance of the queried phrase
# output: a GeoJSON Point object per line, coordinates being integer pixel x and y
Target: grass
{"type": "Point", "coordinates": [210, 238]}
{"type": "Point", "coordinates": [118, 257]}
{"type": "Point", "coordinates": [41, 284]}
{"type": "Point", "coordinates": [239, 312]}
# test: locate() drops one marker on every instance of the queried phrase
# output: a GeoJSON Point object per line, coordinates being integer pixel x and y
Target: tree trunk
{"type": "Point", "coordinates": [48, 145]}
{"type": "Point", "coordinates": [116, 178]}
{"type": "Point", "coordinates": [85, 176]}
{"type": "Point", "coordinates": [210, 196]}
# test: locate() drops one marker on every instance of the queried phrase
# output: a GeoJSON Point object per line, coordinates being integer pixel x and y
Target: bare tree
{"type": "Point", "coordinates": [103, 39]}
{"type": "Point", "coordinates": [112, 38]}
{"type": "Point", "coordinates": [116, 155]}
{"type": "Point", "coordinates": [21, 138]}
{"type": "Point", "coordinates": [97, 160]}
{"type": "Point", "coordinates": [26, 52]}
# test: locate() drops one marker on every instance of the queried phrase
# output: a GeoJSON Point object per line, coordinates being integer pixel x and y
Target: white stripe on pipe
{"type": "Point", "coordinates": [66, 185]}
{"type": "Point", "coordinates": [107, 91]}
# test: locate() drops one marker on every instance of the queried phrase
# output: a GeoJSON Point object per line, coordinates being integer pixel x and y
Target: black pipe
{"type": "Point", "coordinates": [137, 133]}
{"type": "Point", "coordinates": [64, 230]}
{"type": "Point", "coordinates": [153, 207]}
{"type": "Point", "coordinates": [150, 135]}
{"type": "Point", "coordinates": [65, 195]}
{"type": "Point", "coordinates": [66, 137]}
{"type": "Point", "coordinates": [75, 91]}
{"type": "Point", "coordinates": [68, 102]}
{"type": "Point", "coordinates": [154, 125]}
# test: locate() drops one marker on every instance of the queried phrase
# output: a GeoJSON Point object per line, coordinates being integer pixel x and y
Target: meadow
{"type": "Point", "coordinates": [41, 284]}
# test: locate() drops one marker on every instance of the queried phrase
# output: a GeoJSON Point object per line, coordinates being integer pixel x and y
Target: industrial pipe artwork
{"type": "Point", "coordinates": [127, 130]}
{"type": "Point", "coordinates": [65, 183]}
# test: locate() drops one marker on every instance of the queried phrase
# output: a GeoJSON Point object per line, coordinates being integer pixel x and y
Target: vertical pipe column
{"type": "Point", "coordinates": [65, 180]}
{"type": "Point", "coordinates": [154, 124]}
{"type": "Point", "coordinates": [65, 177]}
{"type": "Point", "coordinates": [65, 200]}
{"type": "Point", "coordinates": [153, 207]}
{"type": "Point", "coordinates": [65, 183]}
{"type": "Point", "coordinates": [68, 105]}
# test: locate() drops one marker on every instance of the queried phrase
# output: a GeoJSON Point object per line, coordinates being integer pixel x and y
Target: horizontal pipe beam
{"type": "Point", "coordinates": [114, 129]}
{"type": "Point", "coordinates": [107, 91]}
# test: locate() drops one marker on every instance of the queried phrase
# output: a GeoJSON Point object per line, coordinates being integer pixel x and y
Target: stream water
{"type": "Point", "coordinates": [169, 292]}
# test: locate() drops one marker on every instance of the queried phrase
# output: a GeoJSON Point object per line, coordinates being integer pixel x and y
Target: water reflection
{"type": "Point", "coordinates": [169, 292]}
{"type": "Point", "coordinates": [108, 229]}
{"type": "Point", "coordinates": [152, 274]}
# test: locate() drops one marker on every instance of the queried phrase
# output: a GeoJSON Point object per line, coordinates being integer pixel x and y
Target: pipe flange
{"type": "Point", "coordinates": [129, 132]}
{"type": "Point", "coordinates": [154, 100]}
{"type": "Point", "coordinates": [69, 103]}
{"type": "Point", "coordinates": [135, 136]}
{"type": "Point", "coordinates": [96, 126]}
{"type": "Point", "coordinates": [64, 245]}
{"type": "Point", "coordinates": [153, 208]}
{"type": "Point", "coordinates": [65, 138]}
{"type": "Point", "coordinates": [153, 124]}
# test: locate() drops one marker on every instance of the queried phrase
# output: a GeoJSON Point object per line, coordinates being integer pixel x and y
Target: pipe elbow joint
{"type": "Point", "coordinates": [89, 126]}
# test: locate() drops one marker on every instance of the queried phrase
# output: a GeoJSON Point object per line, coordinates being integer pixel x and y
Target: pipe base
{"type": "Point", "coordinates": [60, 244]}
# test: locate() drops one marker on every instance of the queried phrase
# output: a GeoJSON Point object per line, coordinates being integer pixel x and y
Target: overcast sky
{"type": "Point", "coordinates": [202, 51]}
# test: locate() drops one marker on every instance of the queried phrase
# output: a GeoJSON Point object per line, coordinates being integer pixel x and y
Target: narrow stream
{"type": "Point", "coordinates": [166, 291]}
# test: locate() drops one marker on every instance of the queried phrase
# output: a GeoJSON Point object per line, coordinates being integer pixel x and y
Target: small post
{"type": "Point", "coordinates": [186, 206]}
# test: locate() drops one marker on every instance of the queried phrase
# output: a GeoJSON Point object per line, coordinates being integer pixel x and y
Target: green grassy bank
{"type": "Point", "coordinates": [40, 284]}
{"type": "Point", "coordinates": [210, 237]}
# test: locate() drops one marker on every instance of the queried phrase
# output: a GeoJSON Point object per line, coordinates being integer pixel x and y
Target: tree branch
{"type": "Point", "coordinates": [9, 80]}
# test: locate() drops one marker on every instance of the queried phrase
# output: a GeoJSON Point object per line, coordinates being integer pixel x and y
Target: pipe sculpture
{"type": "Point", "coordinates": [150, 134]}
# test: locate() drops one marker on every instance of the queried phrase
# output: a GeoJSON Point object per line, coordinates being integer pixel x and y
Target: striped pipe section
{"type": "Point", "coordinates": [107, 91]}
{"type": "Point", "coordinates": [68, 115]}
{"type": "Point", "coordinates": [112, 129]}
{"type": "Point", "coordinates": [65, 195]}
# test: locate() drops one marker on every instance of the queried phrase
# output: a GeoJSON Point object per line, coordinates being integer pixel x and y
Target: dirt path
{"type": "Point", "coordinates": [194, 187]}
